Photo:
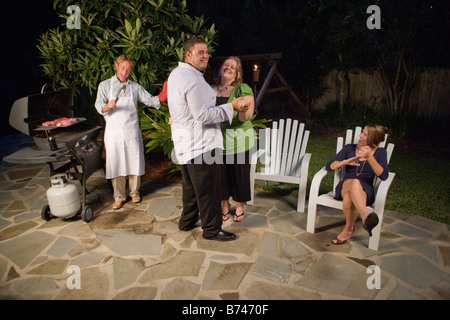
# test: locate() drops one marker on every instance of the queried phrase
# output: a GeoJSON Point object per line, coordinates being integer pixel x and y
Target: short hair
{"type": "Point", "coordinates": [191, 42]}
{"type": "Point", "coordinates": [123, 58]}
{"type": "Point", "coordinates": [375, 134]}
{"type": "Point", "coordinates": [239, 72]}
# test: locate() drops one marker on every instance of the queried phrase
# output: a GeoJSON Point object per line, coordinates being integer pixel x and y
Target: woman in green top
{"type": "Point", "coordinates": [238, 137]}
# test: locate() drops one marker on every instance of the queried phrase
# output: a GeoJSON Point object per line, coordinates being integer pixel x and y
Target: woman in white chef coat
{"type": "Point", "coordinates": [116, 101]}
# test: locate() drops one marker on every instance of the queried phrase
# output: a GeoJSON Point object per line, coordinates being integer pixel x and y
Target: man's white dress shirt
{"type": "Point", "coordinates": [195, 116]}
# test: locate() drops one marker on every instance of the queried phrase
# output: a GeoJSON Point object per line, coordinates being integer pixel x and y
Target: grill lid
{"type": "Point", "coordinates": [30, 112]}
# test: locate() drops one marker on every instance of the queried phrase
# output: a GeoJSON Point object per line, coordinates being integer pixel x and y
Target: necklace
{"type": "Point", "coordinates": [362, 167]}
{"type": "Point", "coordinates": [222, 89]}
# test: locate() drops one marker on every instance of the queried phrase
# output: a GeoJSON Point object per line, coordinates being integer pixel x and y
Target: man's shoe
{"type": "Point", "coordinates": [136, 199]}
{"type": "Point", "coordinates": [222, 236]}
{"type": "Point", "coordinates": [117, 205]}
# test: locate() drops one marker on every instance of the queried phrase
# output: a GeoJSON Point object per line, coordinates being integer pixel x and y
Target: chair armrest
{"type": "Point", "coordinates": [380, 198]}
{"type": "Point", "coordinates": [315, 183]}
{"type": "Point", "coordinates": [313, 196]}
{"type": "Point", "coordinates": [304, 166]}
{"type": "Point", "coordinates": [253, 162]}
{"type": "Point", "coordinates": [256, 155]}
{"type": "Point", "coordinates": [303, 183]}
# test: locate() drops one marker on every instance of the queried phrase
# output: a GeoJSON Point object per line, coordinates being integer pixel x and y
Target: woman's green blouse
{"type": "Point", "coordinates": [238, 136]}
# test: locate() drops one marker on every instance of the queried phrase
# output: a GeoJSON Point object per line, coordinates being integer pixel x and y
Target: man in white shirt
{"type": "Point", "coordinates": [196, 137]}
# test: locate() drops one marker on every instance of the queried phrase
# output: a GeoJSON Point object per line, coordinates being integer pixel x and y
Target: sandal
{"type": "Point", "coordinates": [238, 216]}
{"type": "Point", "coordinates": [225, 216]}
{"type": "Point", "coordinates": [371, 222]}
{"type": "Point", "coordinates": [338, 241]}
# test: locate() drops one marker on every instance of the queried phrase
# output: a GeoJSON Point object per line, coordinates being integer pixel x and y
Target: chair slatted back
{"type": "Point", "coordinates": [285, 144]}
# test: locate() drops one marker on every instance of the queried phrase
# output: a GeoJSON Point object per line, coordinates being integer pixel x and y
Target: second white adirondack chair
{"type": "Point", "coordinates": [380, 187]}
{"type": "Point", "coordinates": [282, 153]}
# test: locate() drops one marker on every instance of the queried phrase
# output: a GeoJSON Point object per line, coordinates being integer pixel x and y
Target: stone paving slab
{"type": "Point", "coordinates": [24, 249]}
{"type": "Point", "coordinates": [138, 252]}
{"type": "Point", "coordinates": [407, 267]}
{"type": "Point", "coordinates": [339, 276]}
{"type": "Point", "coordinates": [271, 269]}
{"type": "Point", "coordinates": [125, 242]}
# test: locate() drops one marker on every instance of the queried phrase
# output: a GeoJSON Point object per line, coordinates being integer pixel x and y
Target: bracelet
{"type": "Point", "coordinates": [333, 165]}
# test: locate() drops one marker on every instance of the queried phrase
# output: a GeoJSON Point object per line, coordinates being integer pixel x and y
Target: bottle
{"type": "Point", "coordinates": [52, 142]}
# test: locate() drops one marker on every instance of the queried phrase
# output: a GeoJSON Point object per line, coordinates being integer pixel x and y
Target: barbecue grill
{"type": "Point", "coordinates": [76, 143]}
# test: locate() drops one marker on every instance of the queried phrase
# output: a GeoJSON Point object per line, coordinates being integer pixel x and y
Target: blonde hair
{"type": "Point", "coordinates": [239, 72]}
{"type": "Point", "coordinates": [123, 58]}
{"type": "Point", "coordinates": [375, 134]}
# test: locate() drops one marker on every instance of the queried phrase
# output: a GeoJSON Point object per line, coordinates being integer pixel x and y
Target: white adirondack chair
{"type": "Point", "coordinates": [282, 148]}
{"type": "Point", "coordinates": [380, 187]}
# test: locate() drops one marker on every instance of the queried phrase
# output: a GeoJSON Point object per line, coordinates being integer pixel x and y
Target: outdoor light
{"type": "Point", "coordinates": [256, 71]}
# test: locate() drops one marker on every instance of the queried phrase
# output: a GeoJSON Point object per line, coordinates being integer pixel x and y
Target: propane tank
{"type": "Point", "coordinates": [63, 197]}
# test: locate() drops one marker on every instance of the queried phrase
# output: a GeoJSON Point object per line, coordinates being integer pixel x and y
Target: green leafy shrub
{"type": "Point", "coordinates": [152, 32]}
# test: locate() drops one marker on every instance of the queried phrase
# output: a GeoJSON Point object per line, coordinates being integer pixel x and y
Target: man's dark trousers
{"type": "Point", "coordinates": [201, 196]}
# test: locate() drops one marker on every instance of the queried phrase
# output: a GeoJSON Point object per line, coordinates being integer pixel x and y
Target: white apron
{"type": "Point", "coordinates": [123, 139]}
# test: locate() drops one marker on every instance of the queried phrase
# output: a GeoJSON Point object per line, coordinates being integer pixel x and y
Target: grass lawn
{"type": "Point", "coordinates": [421, 185]}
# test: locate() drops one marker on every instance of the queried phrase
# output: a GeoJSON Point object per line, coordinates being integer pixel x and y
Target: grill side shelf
{"type": "Point", "coordinates": [44, 128]}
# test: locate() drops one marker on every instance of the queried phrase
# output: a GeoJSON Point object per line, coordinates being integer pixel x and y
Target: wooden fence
{"type": "Point", "coordinates": [431, 96]}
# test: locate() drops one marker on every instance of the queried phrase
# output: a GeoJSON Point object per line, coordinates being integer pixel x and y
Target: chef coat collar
{"type": "Point", "coordinates": [115, 79]}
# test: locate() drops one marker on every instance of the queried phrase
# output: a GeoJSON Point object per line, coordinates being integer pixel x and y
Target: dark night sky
{"type": "Point", "coordinates": [21, 24]}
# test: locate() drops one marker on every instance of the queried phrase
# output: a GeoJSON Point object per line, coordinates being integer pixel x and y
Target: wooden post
{"type": "Point", "coordinates": [292, 93]}
{"type": "Point", "coordinates": [266, 83]}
